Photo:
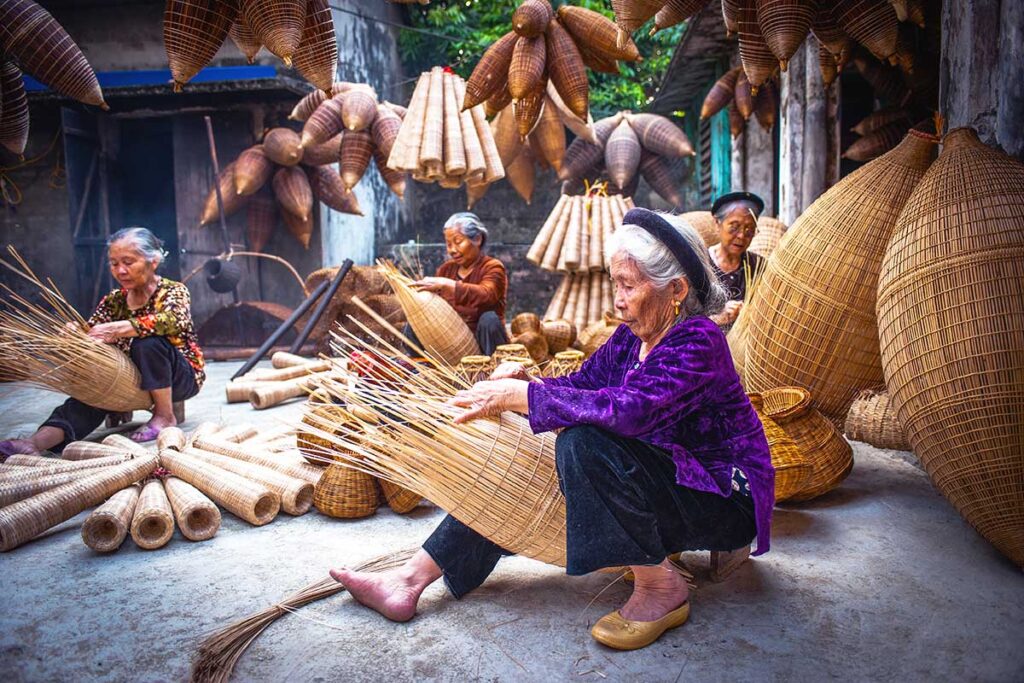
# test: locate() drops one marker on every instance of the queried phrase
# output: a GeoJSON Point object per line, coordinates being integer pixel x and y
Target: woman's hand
{"type": "Point", "coordinates": [729, 313]}
{"type": "Point", "coordinates": [491, 397]}
{"type": "Point", "coordinates": [108, 333]}
{"type": "Point", "coordinates": [510, 370]}
{"type": "Point", "coordinates": [439, 285]}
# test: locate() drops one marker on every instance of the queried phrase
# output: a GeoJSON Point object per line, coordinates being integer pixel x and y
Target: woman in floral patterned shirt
{"type": "Point", "coordinates": [149, 318]}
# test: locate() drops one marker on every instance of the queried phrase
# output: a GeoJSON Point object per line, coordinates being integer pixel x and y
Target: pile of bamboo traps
{"type": "Point", "coordinates": [629, 146]}
{"type": "Point", "coordinates": [281, 179]}
{"type": "Point", "coordinates": [573, 236]}
{"type": "Point", "coordinates": [46, 345]}
{"type": "Point", "coordinates": [541, 47]}
{"type": "Point", "coordinates": [542, 147]}
{"type": "Point", "coordinates": [441, 142]}
{"type": "Point", "coordinates": [291, 377]}
{"type": "Point", "coordinates": [33, 42]}
{"type": "Point", "coordinates": [300, 32]}
{"type": "Point", "coordinates": [734, 91]}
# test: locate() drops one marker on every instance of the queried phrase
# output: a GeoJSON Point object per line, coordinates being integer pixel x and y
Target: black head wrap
{"type": "Point", "coordinates": [663, 231]}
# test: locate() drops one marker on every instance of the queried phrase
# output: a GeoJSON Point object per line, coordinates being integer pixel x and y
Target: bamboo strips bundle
{"type": "Point", "coordinates": [296, 494]}
{"type": "Point", "coordinates": [153, 521]}
{"type": "Point", "coordinates": [197, 517]}
{"type": "Point", "coordinates": [293, 467]}
{"type": "Point", "coordinates": [125, 444]}
{"type": "Point", "coordinates": [20, 489]}
{"type": "Point", "coordinates": [255, 503]}
{"type": "Point", "coordinates": [105, 529]}
{"type": "Point", "coordinates": [28, 518]}
{"type": "Point", "coordinates": [170, 437]}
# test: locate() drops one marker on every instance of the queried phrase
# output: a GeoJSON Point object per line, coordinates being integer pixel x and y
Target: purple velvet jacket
{"type": "Point", "coordinates": [685, 397]}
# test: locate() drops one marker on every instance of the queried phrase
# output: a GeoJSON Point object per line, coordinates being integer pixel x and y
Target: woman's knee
{"type": "Point", "coordinates": [579, 447]}
{"type": "Point", "coordinates": [150, 345]}
{"type": "Point", "coordinates": [490, 320]}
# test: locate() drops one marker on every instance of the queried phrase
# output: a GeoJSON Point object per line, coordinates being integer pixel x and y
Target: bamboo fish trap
{"type": "Point", "coordinates": [88, 450]}
{"type": "Point", "coordinates": [197, 517]}
{"type": "Point", "coordinates": [30, 517]}
{"type": "Point", "coordinates": [813, 322]}
{"type": "Point", "coordinates": [153, 522]}
{"type": "Point", "coordinates": [255, 503]}
{"type": "Point", "coordinates": [296, 495]}
{"type": "Point", "coordinates": [14, 119]}
{"type": "Point", "coordinates": [259, 455]}
{"type": "Point", "coordinates": [436, 324]}
{"type": "Point", "coordinates": [38, 346]}
{"type": "Point", "coordinates": [105, 529]}
{"type": "Point", "coordinates": [872, 419]}
{"type": "Point", "coordinates": [951, 327]}
{"type": "Point", "coordinates": [11, 491]}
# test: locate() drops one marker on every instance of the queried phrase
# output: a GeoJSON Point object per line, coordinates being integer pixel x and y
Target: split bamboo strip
{"type": "Point", "coordinates": [13, 491]}
{"type": "Point", "coordinates": [126, 445]}
{"type": "Point", "coordinates": [88, 450]}
{"type": "Point", "coordinates": [569, 259]}
{"type": "Point", "coordinates": [28, 518]}
{"type": "Point", "coordinates": [543, 238]}
{"type": "Point", "coordinates": [454, 147]}
{"type": "Point", "coordinates": [153, 522]}
{"type": "Point", "coordinates": [255, 503]}
{"type": "Point", "coordinates": [293, 467]}
{"type": "Point", "coordinates": [296, 494]}
{"type": "Point", "coordinates": [197, 517]}
{"type": "Point", "coordinates": [170, 437]}
{"type": "Point", "coordinates": [105, 529]}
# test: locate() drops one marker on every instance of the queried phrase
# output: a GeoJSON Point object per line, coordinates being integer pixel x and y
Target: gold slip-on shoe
{"type": "Point", "coordinates": [616, 631]}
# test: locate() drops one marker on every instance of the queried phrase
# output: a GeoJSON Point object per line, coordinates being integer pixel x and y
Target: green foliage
{"type": "Point", "coordinates": [456, 33]}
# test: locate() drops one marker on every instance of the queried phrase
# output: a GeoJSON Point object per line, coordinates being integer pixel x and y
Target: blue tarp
{"type": "Point", "coordinates": [122, 79]}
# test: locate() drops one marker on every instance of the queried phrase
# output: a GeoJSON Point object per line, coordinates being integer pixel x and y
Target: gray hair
{"type": "Point", "coordinates": [741, 204]}
{"type": "Point", "coordinates": [143, 240]}
{"type": "Point", "coordinates": [469, 224]}
{"type": "Point", "coordinates": [660, 266]}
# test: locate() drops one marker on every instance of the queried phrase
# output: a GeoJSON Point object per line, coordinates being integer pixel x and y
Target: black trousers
{"type": "Point", "coordinates": [490, 333]}
{"type": "Point", "coordinates": [623, 507]}
{"type": "Point", "coordinates": [161, 365]}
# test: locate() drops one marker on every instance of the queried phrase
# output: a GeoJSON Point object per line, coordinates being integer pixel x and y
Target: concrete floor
{"type": "Point", "coordinates": [879, 580]}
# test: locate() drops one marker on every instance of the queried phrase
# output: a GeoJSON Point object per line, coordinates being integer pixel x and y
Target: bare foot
{"type": "Point", "coordinates": [658, 590]}
{"type": "Point", "coordinates": [392, 594]}
{"type": "Point", "coordinates": [151, 429]}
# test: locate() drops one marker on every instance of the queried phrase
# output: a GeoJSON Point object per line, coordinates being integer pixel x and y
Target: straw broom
{"type": "Point", "coordinates": [47, 346]}
{"type": "Point", "coordinates": [105, 529]}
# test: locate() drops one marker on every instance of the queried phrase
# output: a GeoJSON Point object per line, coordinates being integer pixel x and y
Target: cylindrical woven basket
{"type": "Point", "coordinates": [472, 369]}
{"type": "Point", "coordinates": [951, 327]}
{"type": "Point", "coordinates": [830, 455]}
{"type": "Point", "coordinates": [22, 488]}
{"type": "Point", "coordinates": [126, 445]}
{"type": "Point", "coordinates": [398, 499]}
{"type": "Point", "coordinates": [255, 503]}
{"type": "Point", "coordinates": [237, 433]}
{"type": "Point", "coordinates": [89, 450]}
{"type": "Point", "coordinates": [197, 517]}
{"type": "Point", "coordinates": [564, 363]}
{"type": "Point", "coordinates": [15, 473]}
{"type": "Point", "coordinates": [872, 419]}
{"type": "Point", "coordinates": [560, 334]}
{"type": "Point", "coordinates": [813, 321]}
{"type": "Point", "coordinates": [502, 352]}
{"type": "Point", "coordinates": [793, 469]}
{"type": "Point", "coordinates": [324, 417]}
{"type": "Point", "coordinates": [296, 495]}
{"type": "Point", "coordinates": [105, 529]}
{"type": "Point", "coordinates": [345, 493]}
{"type": "Point", "coordinates": [153, 522]}
{"type": "Point", "coordinates": [170, 437]}
{"type": "Point", "coordinates": [294, 467]}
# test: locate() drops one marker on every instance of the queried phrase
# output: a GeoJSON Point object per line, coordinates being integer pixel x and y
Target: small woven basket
{"type": "Point", "coordinates": [817, 438]}
{"type": "Point", "coordinates": [398, 499]}
{"type": "Point", "coordinates": [472, 369]}
{"type": "Point", "coordinates": [345, 493]}
{"type": "Point", "coordinates": [872, 419]}
{"type": "Point", "coordinates": [503, 352]}
{"type": "Point", "coordinates": [564, 363]}
{"type": "Point", "coordinates": [793, 469]}
{"type": "Point", "coordinates": [316, 449]}
{"type": "Point", "coordinates": [560, 334]}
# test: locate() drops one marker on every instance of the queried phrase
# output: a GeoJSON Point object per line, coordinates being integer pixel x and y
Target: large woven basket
{"type": "Point", "coordinates": [345, 493]}
{"type": "Point", "coordinates": [830, 455]}
{"type": "Point", "coordinates": [813, 323]}
{"type": "Point", "coordinates": [704, 223]}
{"type": "Point", "coordinates": [793, 469]}
{"type": "Point", "coordinates": [872, 419]}
{"type": "Point", "coordinates": [951, 327]}
{"type": "Point", "coordinates": [769, 234]}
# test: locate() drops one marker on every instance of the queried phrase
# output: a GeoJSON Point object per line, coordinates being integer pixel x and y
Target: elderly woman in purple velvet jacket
{"type": "Point", "coordinates": [660, 449]}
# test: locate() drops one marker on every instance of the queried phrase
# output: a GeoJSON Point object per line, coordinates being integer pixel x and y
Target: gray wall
{"type": "Point", "coordinates": [981, 82]}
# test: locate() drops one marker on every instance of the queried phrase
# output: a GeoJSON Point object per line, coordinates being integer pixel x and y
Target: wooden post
{"type": "Point", "coordinates": [815, 142]}
{"type": "Point", "coordinates": [791, 117]}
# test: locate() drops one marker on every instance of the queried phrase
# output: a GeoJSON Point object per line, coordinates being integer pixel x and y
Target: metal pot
{"type": "Point", "coordinates": [222, 275]}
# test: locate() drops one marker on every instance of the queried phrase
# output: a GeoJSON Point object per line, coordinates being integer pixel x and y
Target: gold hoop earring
{"type": "Point", "coordinates": [677, 305]}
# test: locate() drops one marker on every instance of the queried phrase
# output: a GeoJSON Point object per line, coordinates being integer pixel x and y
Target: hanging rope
{"type": "Point", "coordinates": [9, 190]}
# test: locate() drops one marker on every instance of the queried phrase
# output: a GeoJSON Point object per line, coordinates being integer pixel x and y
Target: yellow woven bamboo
{"type": "Point", "coordinates": [472, 369]}
{"type": "Point", "coordinates": [830, 455]}
{"type": "Point", "coordinates": [951, 326]}
{"type": "Point", "coordinates": [170, 437]}
{"type": "Point", "coordinates": [19, 467]}
{"type": "Point", "coordinates": [197, 517]}
{"type": "Point", "coordinates": [235, 433]}
{"type": "Point", "coordinates": [318, 451]}
{"type": "Point", "coordinates": [813, 323]}
{"type": "Point", "coordinates": [28, 518]}
{"type": "Point", "coordinates": [769, 234]}
{"type": "Point", "coordinates": [124, 444]}
{"type": "Point", "coordinates": [88, 450]}
{"type": "Point", "coordinates": [491, 73]}
{"type": "Point", "coordinates": [793, 470]}
{"type": "Point", "coordinates": [405, 153]}
{"type": "Point", "coordinates": [758, 61]}
{"type": "Point", "coordinates": [283, 359]}
{"type": "Point", "coordinates": [346, 493]}
{"type": "Point", "coordinates": [259, 455]}
{"type": "Point", "coordinates": [564, 363]}
{"type": "Point", "coordinates": [454, 147]}
{"type": "Point", "coordinates": [872, 419]}
{"type": "Point", "coordinates": [596, 33]}
{"type": "Point", "coordinates": [238, 391]}
{"type": "Point", "coordinates": [105, 529]}
{"type": "Point", "coordinates": [431, 153]}
{"type": "Point", "coordinates": [291, 187]}
{"type": "Point", "coordinates": [560, 334]}
{"type": "Point", "coordinates": [153, 521]}
{"type": "Point", "coordinates": [278, 24]}
{"type": "Point", "coordinates": [536, 345]}
{"type": "Point", "coordinates": [306, 367]}
{"type": "Point", "coordinates": [784, 24]}
{"type": "Point", "coordinates": [193, 32]}
{"type": "Point", "coordinates": [296, 494]}
{"type": "Point", "coordinates": [436, 324]}
{"type": "Point", "coordinates": [255, 503]}
{"type": "Point", "coordinates": [567, 71]}
{"type": "Point", "coordinates": [502, 352]}
{"type": "Point", "coordinates": [398, 499]}
{"type": "Point", "coordinates": [20, 489]}
{"type": "Point", "coordinates": [558, 299]}
{"type": "Point", "coordinates": [317, 51]}
{"type": "Point", "coordinates": [569, 258]}
{"type": "Point", "coordinates": [14, 123]}
{"type": "Point", "coordinates": [549, 135]}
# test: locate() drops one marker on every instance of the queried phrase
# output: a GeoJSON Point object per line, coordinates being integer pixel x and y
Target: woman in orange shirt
{"type": "Point", "coordinates": [475, 284]}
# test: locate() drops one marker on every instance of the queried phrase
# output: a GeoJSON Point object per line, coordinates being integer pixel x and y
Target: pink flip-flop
{"type": "Point", "coordinates": [144, 433]}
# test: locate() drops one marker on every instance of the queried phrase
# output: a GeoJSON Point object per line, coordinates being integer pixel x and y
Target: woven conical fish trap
{"type": "Point", "coordinates": [443, 333]}
{"type": "Point", "coordinates": [494, 475]}
{"type": "Point", "coordinates": [872, 419]}
{"type": "Point", "coordinates": [813, 322]}
{"type": "Point", "coordinates": [951, 327]}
